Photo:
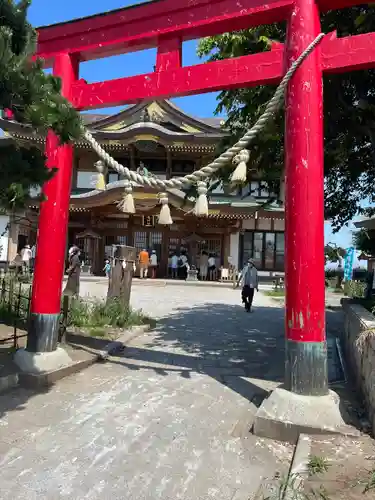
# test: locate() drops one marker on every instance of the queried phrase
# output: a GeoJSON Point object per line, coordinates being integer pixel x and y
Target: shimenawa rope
{"type": "Point", "coordinates": [237, 153]}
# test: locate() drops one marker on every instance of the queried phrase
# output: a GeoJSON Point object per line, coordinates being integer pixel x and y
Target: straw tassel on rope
{"type": "Point", "coordinates": [201, 205]}
{"type": "Point", "coordinates": [100, 181]}
{"type": "Point", "coordinates": [126, 205]}
{"type": "Point", "coordinates": [240, 173]}
{"type": "Point", "coordinates": [165, 213]}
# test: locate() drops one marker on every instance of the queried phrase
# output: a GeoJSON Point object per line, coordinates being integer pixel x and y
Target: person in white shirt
{"type": "Point", "coordinates": [212, 267]}
{"type": "Point", "coordinates": [26, 257]}
{"type": "Point", "coordinates": [153, 264]}
{"type": "Point", "coordinates": [184, 266]}
{"type": "Point", "coordinates": [174, 266]}
{"type": "Point", "coordinates": [250, 282]}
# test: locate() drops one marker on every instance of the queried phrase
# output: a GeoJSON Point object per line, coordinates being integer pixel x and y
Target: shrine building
{"type": "Point", "coordinates": [164, 140]}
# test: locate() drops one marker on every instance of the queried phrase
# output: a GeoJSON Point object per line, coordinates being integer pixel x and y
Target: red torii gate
{"type": "Point", "coordinates": [166, 24]}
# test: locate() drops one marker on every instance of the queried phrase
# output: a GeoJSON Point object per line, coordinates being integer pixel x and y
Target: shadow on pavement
{"type": "Point", "coordinates": [243, 351]}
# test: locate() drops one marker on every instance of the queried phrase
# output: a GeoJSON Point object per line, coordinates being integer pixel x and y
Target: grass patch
{"type": "Point", "coordinates": [291, 487]}
{"type": "Point", "coordinates": [317, 465]}
{"type": "Point", "coordinates": [370, 486]}
{"type": "Point", "coordinates": [275, 293]}
{"type": "Point", "coordinates": [97, 315]}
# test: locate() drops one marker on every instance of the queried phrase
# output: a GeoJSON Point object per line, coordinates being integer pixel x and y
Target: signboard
{"type": "Point", "coordinates": [149, 220]}
{"type": "Point", "coordinates": [348, 265]}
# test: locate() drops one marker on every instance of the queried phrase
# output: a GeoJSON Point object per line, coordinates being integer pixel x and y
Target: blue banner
{"type": "Point", "coordinates": [348, 266]}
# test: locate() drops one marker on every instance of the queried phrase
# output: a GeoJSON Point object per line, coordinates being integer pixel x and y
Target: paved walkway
{"type": "Point", "coordinates": [168, 419]}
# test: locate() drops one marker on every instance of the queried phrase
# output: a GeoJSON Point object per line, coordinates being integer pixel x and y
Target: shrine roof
{"type": "Point", "coordinates": [217, 203]}
{"type": "Point", "coordinates": [155, 120]}
{"type": "Point", "coordinates": [365, 223]}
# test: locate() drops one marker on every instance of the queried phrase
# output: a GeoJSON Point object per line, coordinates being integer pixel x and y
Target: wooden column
{"type": "Point", "coordinates": [132, 157]}
{"type": "Point", "coordinates": [169, 164]}
{"type": "Point", "coordinates": [120, 282]}
{"type": "Point", "coordinates": [131, 230]}
{"type": "Point", "coordinates": [226, 249]}
{"type": "Point", "coordinates": [164, 253]}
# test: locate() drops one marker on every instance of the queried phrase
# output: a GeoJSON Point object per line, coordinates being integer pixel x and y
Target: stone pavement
{"type": "Point", "coordinates": [168, 419]}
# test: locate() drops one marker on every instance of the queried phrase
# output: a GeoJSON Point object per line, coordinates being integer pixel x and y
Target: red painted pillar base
{"type": "Point", "coordinates": [52, 230]}
{"type": "Point", "coordinates": [306, 358]}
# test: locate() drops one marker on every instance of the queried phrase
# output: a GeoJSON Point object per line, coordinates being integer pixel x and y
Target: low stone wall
{"type": "Point", "coordinates": [359, 345]}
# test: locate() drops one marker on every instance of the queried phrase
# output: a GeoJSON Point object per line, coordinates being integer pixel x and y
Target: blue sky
{"type": "Point", "coordinates": [43, 12]}
{"type": "Point", "coordinates": [119, 66]}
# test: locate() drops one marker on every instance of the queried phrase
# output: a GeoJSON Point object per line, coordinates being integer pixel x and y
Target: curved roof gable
{"type": "Point", "coordinates": [163, 112]}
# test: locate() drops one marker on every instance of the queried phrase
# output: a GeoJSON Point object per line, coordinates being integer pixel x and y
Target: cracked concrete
{"type": "Point", "coordinates": [168, 419]}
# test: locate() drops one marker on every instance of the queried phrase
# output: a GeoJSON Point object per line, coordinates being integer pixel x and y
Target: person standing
{"type": "Point", "coordinates": [174, 265]}
{"type": "Point", "coordinates": [250, 283]}
{"type": "Point", "coordinates": [212, 267]}
{"type": "Point", "coordinates": [153, 264]}
{"type": "Point", "coordinates": [33, 257]}
{"type": "Point", "coordinates": [203, 267]}
{"type": "Point", "coordinates": [144, 261]}
{"type": "Point", "coordinates": [26, 258]}
{"type": "Point", "coordinates": [74, 273]}
{"type": "Point", "coordinates": [184, 265]}
{"type": "Point", "coordinates": [107, 269]}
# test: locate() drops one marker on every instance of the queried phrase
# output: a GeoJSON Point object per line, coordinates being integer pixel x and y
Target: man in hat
{"type": "Point", "coordinates": [250, 282]}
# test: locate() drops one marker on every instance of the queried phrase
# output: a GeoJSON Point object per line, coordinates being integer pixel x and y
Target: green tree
{"type": "Point", "coordinates": [349, 101]}
{"type": "Point", "coordinates": [334, 254]}
{"type": "Point", "coordinates": [364, 241]}
{"type": "Point", "coordinates": [34, 98]}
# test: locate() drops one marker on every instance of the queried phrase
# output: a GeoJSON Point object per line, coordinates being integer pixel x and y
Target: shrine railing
{"type": "Point", "coordinates": [15, 301]}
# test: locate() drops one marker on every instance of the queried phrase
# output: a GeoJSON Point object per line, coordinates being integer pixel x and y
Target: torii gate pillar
{"type": "Point", "coordinates": [306, 357]}
{"type": "Point", "coordinates": [52, 230]}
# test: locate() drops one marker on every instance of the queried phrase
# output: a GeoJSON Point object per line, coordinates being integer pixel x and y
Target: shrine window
{"type": "Point", "coordinates": [86, 179]}
{"type": "Point", "coordinates": [266, 248]}
{"type": "Point", "coordinates": [257, 189]}
{"type": "Point", "coordinates": [182, 167]}
{"type": "Point", "coordinates": [113, 177]}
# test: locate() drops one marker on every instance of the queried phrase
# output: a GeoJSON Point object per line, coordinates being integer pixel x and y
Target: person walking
{"type": "Point", "coordinates": [107, 269]}
{"type": "Point", "coordinates": [74, 273]}
{"type": "Point", "coordinates": [144, 262]}
{"type": "Point", "coordinates": [153, 264]}
{"type": "Point", "coordinates": [250, 282]}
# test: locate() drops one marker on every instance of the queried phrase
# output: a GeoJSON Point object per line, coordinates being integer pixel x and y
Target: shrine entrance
{"type": "Point", "coordinates": [163, 24]}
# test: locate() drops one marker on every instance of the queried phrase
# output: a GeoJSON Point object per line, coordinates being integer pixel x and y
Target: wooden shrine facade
{"type": "Point", "coordinates": [165, 142]}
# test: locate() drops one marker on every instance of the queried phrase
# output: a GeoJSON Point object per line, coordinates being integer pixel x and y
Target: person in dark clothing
{"type": "Point", "coordinates": [250, 283]}
{"type": "Point", "coordinates": [74, 273]}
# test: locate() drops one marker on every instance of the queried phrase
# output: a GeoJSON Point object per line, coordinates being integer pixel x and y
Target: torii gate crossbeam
{"type": "Point", "coordinates": [166, 24]}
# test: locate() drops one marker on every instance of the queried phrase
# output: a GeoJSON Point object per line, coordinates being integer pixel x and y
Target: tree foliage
{"type": "Point", "coordinates": [364, 241]}
{"type": "Point", "coordinates": [34, 98]}
{"type": "Point", "coordinates": [349, 104]}
{"type": "Point", "coordinates": [334, 254]}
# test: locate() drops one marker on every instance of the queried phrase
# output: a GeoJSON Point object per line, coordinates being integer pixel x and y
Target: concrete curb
{"type": "Point", "coordinates": [115, 347]}
{"type": "Point", "coordinates": [46, 379]}
{"type": "Point", "coordinates": [298, 471]}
